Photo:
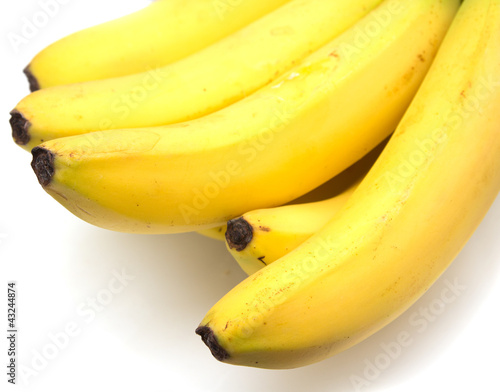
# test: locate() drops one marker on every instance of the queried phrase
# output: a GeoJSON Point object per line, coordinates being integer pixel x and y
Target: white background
{"type": "Point", "coordinates": [143, 337]}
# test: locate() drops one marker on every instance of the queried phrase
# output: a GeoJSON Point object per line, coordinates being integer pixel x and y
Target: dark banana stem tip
{"type": "Point", "coordinates": [43, 165]}
{"type": "Point", "coordinates": [208, 337]}
{"type": "Point", "coordinates": [239, 233]}
{"type": "Point", "coordinates": [19, 127]}
{"type": "Point", "coordinates": [34, 85]}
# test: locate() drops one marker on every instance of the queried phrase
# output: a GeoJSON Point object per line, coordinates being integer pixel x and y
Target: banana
{"type": "Point", "coordinates": [161, 33]}
{"type": "Point", "coordinates": [310, 206]}
{"type": "Point", "coordinates": [200, 84]}
{"type": "Point", "coordinates": [266, 150]}
{"type": "Point", "coordinates": [402, 227]}
{"type": "Point", "coordinates": [260, 237]}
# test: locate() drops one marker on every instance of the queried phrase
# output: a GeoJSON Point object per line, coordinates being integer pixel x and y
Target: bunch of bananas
{"type": "Point", "coordinates": [345, 151]}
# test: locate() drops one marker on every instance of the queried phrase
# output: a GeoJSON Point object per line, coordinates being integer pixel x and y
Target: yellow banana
{"type": "Point", "coordinates": [268, 149]}
{"type": "Point", "coordinates": [161, 33]}
{"type": "Point", "coordinates": [403, 226]}
{"type": "Point", "coordinates": [202, 83]}
{"type": "Point", "coordinates": [260, 237]}
{"type": "Point", "coordinates": [334, 188]}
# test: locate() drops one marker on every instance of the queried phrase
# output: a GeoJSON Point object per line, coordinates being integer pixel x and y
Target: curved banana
{"type": "Point", "coordinates": [260, 237]}
{"type": "Point", "coordinates": [403, 226]}
{"type": "Point", "coordinates": [263, 151]}
{"type": "Point", "coordinates": [161, 33]}
{"type": "Point", "coordinates": [200, 84]}
{"type": "Point", "coordinates": [284, 237]}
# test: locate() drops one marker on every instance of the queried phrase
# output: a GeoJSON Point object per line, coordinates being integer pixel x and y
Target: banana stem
{"type": "Point", "coordinates": [239, 233]}
{"type": "Point", "coordinates": [20, 127]}
{"type": "Point", "coordinates": [208, 337]}
{"type": "Point", "coordinates": [43, 165]}
{"type": "Point", "coordinates": [32, 80]}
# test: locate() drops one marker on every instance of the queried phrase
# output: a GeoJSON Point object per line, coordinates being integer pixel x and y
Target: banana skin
{"type": "Point", "coordinates": [161, 33]}
{"type": "Point", "coordinates": [260, 237]}
{"type": "Point", "coordinates": [401, 229]}
{"type": "Point", "coordinates": [313, 207]}
{"type": "Point", "coordinates": [202, 83]}
{"type": "Point", "coordinates": [336, 106]}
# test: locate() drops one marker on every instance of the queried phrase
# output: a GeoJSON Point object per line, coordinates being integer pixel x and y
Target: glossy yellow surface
{"type": "Point", "coordinates": [402, 227]}
{"type": "Point", "coordinates": [266, 150]}
{"type": "Point", "coordinates": [163, 32]}
{"type": "Point", "coordinates": [279, 230]}
{"type": "Point", "coordinates": [202, 83]}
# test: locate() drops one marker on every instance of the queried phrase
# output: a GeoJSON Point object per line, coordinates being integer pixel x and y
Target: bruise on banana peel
{"type": "Point", "coordinates": [20, 127]}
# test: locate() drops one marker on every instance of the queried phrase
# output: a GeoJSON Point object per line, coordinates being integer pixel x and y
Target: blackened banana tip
{"type": "Point", "coordinates": [239, 233]}
{"type": "Point", "coordinates": [32, 80]}
{"type": "Point", "coordinates": [43, 165]}
{"type": "Point", "coordinates": [208, 337]}
{"type": "Point", "coordinates": [20, 127]}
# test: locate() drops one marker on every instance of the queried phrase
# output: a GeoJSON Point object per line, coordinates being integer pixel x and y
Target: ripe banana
{"type": "Point", "coordinates": [268, 149]}
{"type": "Point", "coordinates": [161, 33]}
{"type": "Point", "coordinates": [403, 226]}
{"type": "Point", "coordinates": [334, 188]}
{"type": "Point", "coordinates": [316, 199]}
{"type": "Point", "coordinates": [200, 84]}
{"type": "Point", "coordinates": [281, 234]}
{"type": "Point", "coordinates": [260, 237]}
